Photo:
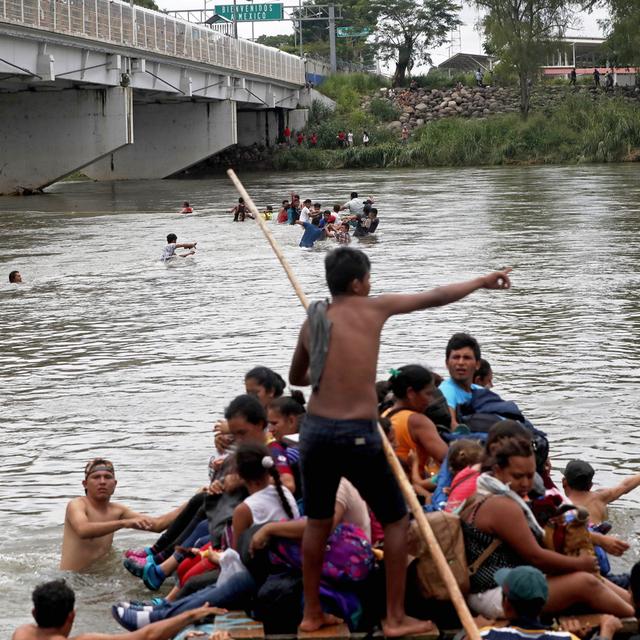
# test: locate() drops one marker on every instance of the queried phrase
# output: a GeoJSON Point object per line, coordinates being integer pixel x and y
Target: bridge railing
{"type": "Point", "coordinates": [118, 23]}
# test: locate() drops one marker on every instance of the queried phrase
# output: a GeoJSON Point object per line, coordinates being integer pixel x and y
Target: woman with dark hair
{"type": "Point", "coordinates": [497, 519]}
{"type": "Point", "coordinates": [412, 386]}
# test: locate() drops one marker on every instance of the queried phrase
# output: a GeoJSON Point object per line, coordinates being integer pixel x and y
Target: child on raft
{"type": "Point", "coordinates": [337, 354]}
{"type": "Point", "coordinates": [268, 501]}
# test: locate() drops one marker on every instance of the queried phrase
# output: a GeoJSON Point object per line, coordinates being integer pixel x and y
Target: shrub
{"type": "Point", "coordinates": [384, 110]}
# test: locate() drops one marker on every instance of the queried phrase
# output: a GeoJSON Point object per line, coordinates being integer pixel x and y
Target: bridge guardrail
{"type": "Point", "coordinates": [118, 23]}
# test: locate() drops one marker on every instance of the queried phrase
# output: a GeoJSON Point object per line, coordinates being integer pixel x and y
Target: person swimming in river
{"type": "Point", "coordinates": [240, 211]}
{"type": "Point", "coordinates": [186, 207]}
{"type": "Point", "coordinates": [169, 252]}
{"type": "Point", "coordinates": [312, 231]}
{"type": "Point", "coordinates": [337, 353]}
{"type": "Point", "coordinates": [91, 520]}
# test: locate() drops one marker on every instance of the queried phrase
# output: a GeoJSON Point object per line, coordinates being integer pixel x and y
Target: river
{"type": "Point", "coordinates": [106, 351]}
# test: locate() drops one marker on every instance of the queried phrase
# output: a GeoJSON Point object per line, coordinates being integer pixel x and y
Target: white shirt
{"type": "Point", "coordinates": [168, 252]}
{"type": "Point", "coordinates": [365, 138]}
{"type": "Point", "coordinates": [355, 206]}
{"type": "Point", "coordinates": [305, 214]}
{"type": "Point", "coordinates": [350, 137]}
{"type": "Point", "coordinates": [265, 505]}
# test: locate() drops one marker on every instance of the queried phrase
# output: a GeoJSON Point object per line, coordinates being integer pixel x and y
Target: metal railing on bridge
{"type": "Point", "coordinates": [112, 21]}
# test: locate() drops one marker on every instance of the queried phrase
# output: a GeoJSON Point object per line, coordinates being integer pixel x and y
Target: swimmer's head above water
{"type": "Point", "coordinates": [15, 277]}
{"type": "Point", "coordinates": [99, 479]}
{"type": "Point", "coordinates": [53, 604]}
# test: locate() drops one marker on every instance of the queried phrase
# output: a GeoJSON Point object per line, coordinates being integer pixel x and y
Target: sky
{"type": "Point", "coordinates": [468, 40]}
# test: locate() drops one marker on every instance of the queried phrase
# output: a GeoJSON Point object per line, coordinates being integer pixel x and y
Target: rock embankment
{"type": "Point", "coordinates": [420, 106]}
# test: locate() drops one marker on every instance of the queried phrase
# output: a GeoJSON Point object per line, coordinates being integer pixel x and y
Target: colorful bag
{"type": "Point", "coordinates": [348, 555]}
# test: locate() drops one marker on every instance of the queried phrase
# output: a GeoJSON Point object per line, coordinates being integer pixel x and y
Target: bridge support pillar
{"type": "Point", "coordinates": [257, 127]}
{"type": "Point", "coordinates": [45, 136]}
{"type": "Point", "coordinates": [169, 138]}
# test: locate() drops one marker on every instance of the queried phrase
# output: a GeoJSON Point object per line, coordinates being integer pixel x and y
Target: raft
{"type": "Point", "coordinates": [240, 626]}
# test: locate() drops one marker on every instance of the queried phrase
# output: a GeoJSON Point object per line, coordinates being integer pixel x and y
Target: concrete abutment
{"type": "Point", "coordinates": [170, 137]}
{"type": "Point", "coordinates": [46, 135]}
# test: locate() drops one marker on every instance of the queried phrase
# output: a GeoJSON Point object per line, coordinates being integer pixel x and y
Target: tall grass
{"type": "Point", "coordinates": [580, 130]}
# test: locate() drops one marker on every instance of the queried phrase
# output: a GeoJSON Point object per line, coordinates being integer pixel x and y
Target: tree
{"type": "Point", "coordinates": [522, 33]}
{"type": "Point", "coordinates": [408, 28]}
{"type": "Point", "coordinates": [147, 4]}
{"type": "Point", "coordinates": [623, 31]}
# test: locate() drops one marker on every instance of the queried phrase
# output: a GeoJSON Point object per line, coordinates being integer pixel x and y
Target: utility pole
{"type": "Point", "coordinates": [235, 20]}
{"type": "Point", "coordinates": [332, 39]}
{"type": "Point", "coordinates": [300, 16]}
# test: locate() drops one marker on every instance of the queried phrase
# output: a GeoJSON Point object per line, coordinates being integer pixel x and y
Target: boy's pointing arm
{"type": "Point", "coordinates": [394, 304]}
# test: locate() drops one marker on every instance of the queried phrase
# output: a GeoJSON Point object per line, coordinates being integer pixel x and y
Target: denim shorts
{"type": "Point", "coordinates": [332, 449]}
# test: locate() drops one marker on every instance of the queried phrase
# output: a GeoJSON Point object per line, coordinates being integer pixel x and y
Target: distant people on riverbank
{"type": "Point", "coordinates": [300, 138]}
{"type": "Point", "coordinates": [572, 77]}
{"type": "Point", "coordinates": [479, 77]}
{"type": "Point", "coordinates": [341, 138]}
{"type": "Point", "coordinates": [365, 138]}
{"type": "Point", "coordinates": [596, 78]}
{"type": "Point", "coordinates": [186, 207]}
{"type": "Point", "coordinates": [404, 134]}
{"type": "Point", "coordinates": [608, 80]}
{"type": "Point", "coordinates": [15, 277]}
{"type": "Point", "coordinates": [287, 136]}
{"type": "Point", "coordinates": [172, 244]}
{"type": "Point", "coordinates": [350, 138]}
{"type": "Point", "coordinates": [313, 140]}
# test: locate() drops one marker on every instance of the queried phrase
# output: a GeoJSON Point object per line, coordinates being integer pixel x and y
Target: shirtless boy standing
{"type": "Point", "coordinates": [91, 520]}
{"type": "Point", "coordinates": [337, 353]}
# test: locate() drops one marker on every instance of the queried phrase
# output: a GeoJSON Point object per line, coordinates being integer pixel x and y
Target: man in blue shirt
{"type": "Point", "coordinates": [311, 232]}
{"type": "Point", "coordinates": [463, 360]}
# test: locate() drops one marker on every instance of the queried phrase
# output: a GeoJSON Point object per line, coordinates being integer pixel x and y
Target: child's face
{"type": "Point", "coordinates": [281, 426]}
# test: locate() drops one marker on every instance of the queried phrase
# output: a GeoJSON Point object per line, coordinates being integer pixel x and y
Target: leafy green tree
{"type": "Point", "coordinates": [408, 28]}
{"type": "Point", "coordinates": [147, 4]}
{"type": "Point", "coordinates": [623, 31]}
{"type": "Point", "coordinates": [522, 33]}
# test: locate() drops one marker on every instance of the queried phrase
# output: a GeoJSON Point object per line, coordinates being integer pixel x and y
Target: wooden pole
{"type": "Point", "coordinates": [418, 513]}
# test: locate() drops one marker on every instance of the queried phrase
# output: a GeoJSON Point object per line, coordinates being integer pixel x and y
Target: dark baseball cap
{"type": "Point", "coordinates": [522, 584]}
{"type": "Point", "coordinates": [578, 470]}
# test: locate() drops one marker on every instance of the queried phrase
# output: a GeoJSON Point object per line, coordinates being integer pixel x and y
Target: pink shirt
{"type": "Point", "coordinates": [463, 486]}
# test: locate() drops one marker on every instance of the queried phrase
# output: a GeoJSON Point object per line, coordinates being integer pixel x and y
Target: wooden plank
{"type": "Point", "coordinates": [341, 631]}
{"type": "Point", "coordinates": [333, 632]}
{"type": "Point", "coordinates": [239, 625]}
{"type": "Point", "coordinates": [591, 620]}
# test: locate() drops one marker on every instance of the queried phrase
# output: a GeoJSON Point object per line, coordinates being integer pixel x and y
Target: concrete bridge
{"type": "Point", "coordinates": [123, 92]}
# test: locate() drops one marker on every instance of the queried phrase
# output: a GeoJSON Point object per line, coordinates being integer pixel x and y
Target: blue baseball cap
{"type": "Point", "coordinates": [522, 584]}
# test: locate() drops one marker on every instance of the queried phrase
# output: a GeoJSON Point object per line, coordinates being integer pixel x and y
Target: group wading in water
{"type": "Point", "coordinates": [303, 523]}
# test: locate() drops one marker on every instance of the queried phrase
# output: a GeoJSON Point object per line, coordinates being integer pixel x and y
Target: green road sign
{"type": "Point", "coordinates": [254, 12]}
{"type": "Point", "coordinates": [352, 32]}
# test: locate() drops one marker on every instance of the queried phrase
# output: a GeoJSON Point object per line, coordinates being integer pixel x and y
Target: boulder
{"type": "Point", "coordinates": [421, 106]}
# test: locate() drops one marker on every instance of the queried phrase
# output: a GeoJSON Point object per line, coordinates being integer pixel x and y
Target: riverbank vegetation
{"type": "Point", "coordinates": [579, 130]}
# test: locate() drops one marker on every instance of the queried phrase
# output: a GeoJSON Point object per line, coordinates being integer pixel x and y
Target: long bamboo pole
{"type": "Point", "coordinates": [409, 494]}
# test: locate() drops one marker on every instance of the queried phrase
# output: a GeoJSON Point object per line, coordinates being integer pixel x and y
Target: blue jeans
{"type": "Point", "coordinates": [234, 594]}
{"type": "Point", "coordinates": [198, 537]}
